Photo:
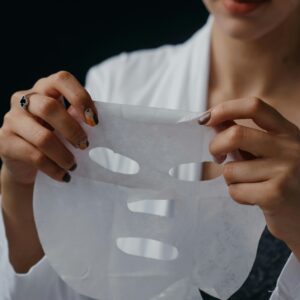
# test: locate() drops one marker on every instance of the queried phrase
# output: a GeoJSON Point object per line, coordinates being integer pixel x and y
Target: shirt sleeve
{"type": "Point", "coordinates": [288, 284]}
{"type": "Point", "coordinates": [41, 282]}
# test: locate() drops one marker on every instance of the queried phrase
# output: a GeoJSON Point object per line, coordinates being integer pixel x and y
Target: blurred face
{"type": "Point", "coordinates": [252, 19]}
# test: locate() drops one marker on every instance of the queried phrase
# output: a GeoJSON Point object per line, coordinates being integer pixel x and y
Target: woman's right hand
{"type": "Point", "coordinates": [28, 140]}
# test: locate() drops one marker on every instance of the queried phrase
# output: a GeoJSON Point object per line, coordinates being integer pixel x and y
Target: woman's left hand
{"type": "Point", "coordinates": [271, 177]}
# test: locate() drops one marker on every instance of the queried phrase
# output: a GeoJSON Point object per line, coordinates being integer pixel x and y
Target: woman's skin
{"type": "Point", "coordinates": [254, 61]}
{"type": "Point", "coordinates": [27, 144]}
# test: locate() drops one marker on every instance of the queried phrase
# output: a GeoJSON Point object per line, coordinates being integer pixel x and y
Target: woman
{"type": "Point", "coordinates": [248, 52]}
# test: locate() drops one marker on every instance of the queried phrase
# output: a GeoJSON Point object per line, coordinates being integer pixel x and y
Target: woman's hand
{"type": "Point", "coordinates": [28, 140]}
{"type": "Point", "coordinates": [270, 177]}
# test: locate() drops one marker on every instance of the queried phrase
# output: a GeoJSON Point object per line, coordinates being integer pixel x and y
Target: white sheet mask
{"type": "Point", "coordinates": [124, 228]}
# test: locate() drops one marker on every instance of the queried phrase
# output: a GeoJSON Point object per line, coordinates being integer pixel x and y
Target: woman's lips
{"type": "Point", "coordinates": [240, 7]}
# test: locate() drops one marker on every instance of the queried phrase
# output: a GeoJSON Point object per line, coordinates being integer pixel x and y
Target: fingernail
{"type": "Point", "coordinates": [67, 177]}
{"type": "Point", "coordinates": [219, 159]}
{"type": "Point", "coordinates": [73, 168]}
{"type": "Point", "coordinates": [83, 145]}
{"type": "Point", "coordinates": [90, 117]}
{"type": "Point", "coordinates": [203, 119]}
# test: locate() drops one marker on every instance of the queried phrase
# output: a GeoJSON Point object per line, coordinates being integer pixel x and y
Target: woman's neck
{"type": "Point", "coordinates": [265, 67]}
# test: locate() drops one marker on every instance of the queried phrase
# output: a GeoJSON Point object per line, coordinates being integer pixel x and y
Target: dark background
{"type": "Point", "coordinates": [40, 38]}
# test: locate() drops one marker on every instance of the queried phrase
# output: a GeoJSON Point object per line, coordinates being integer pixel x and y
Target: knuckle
{"type": "Point", "coordinates": [275, 194]}
{"type": "Point", "coordinates": [7, 119]}
{"type": "Point", "coordinates": [40, 83]}
{"type": "Point", "coordinates": [287, 173]}
{"type": "Point", "coordinates": [292, 171]}
{"type": "Point", "coordinates": [235, 194]}
{"type": "Point", "coordinates": [236, 133]}
{"type": "Point", "coordinates": [43, 138]}
{"type": "Point", "coordinates": [38, 159]}
{"type": "Point", "coordinates": [62, 75]}
{"type": "Point", "coordinates": [220, 109]}
{"type": "Point", "coordinates": [228, 171]}
{"type": "Point", "coordinates": [283, 169]}
{"type": "Point", "coordinates": [255, 104]}
{"type": "Point", "coordinates": [48, 106]}
{"type": "Point", "coordinates": [15, 97]}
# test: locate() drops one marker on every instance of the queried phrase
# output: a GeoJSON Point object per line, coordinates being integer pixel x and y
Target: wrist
{"type": "Point", "coordinates": [7, 177]}
{"type": "Point", "coordinates": [25, 249]}
{"type": "Point", "coordinates": [16, 197]}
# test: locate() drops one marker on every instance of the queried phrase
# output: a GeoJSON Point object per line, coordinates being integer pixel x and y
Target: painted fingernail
{"type": "Point", "coordinates": [67, 177]}
{"type": "Point", "coordinates": [83, 145]}
{"type": "Point", "coordinates": [73, 168]}
{"type": "Point", "coordinates": [203, 119]}
{"type": "Point", "coordinates": [90, 117]}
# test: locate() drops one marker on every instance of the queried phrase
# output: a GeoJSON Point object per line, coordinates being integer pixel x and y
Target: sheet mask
{"type": "Point", "coordinates": [124, 228]}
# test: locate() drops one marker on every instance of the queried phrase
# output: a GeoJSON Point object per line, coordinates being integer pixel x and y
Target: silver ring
{"type": "Point", "coordinates": [24, 102]}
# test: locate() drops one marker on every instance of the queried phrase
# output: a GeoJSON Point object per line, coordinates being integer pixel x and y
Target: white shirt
{"type": "Point", "coordinates": [174, 77]}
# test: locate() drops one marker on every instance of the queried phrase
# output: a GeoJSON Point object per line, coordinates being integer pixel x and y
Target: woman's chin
{"type": "Point", "coordinates": [246, 30]}
{"type": "Point", "coordinates": [251, 20]}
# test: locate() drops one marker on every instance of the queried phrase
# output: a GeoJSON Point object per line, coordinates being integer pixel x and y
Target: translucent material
{"type": "Point", "coordinates": [141, 233]}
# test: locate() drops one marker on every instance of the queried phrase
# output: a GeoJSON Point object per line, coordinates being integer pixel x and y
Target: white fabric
{"type": "Point", "coordinates": [173, 77]}
{"type": "Point", "coordinates": [288, 285]}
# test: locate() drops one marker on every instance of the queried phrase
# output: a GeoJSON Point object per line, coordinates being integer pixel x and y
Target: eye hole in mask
{"type": "Point", "coordinates": [183, 171]}
{"type": "Point", "coordinates": [147, 248]}
{"type": "Point", "coordinates": [113, 161]}
{"type": "Point", "coordinates": [161, 208]}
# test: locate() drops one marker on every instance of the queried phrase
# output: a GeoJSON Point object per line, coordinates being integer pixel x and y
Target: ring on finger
{"type": "Point", "coordinates": [24, 102]}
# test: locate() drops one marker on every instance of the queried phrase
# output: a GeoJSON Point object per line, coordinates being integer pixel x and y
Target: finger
{"type": "Point", "coordinates": [257, 170]}
{"type": "Point", "coordinates": [74, 114]}
{"type": "Point", "coordinates": [16, 148]}
{"type": "Point", "coordinates": [237, 137]}
{"type": "Point", "coordinates": [224, 125]}
{"type": "Point", "coordinates": [219, 159]}
{"type": "Point", "coordinates": [264, 115]}
{"type": "Point", "coordinates": [64, 83]}
{"type": "Point", "coordinates": [53, 113]}
{"type": "Point", "coordinates": [248, 193]}
{"type": "Point", "coordinates": [42, 138]}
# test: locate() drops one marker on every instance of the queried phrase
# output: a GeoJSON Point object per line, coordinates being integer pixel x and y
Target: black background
{"type": "Point", "coordinates": [40, 38]}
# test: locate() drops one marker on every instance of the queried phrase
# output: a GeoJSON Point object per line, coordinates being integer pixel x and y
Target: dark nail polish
{"type": "Point", "coordinates": [67, 177]}
{"type": "Point", "coordinates": [96, 119]}
{"type": "Point", "coordinates": [73, 168]}
{"type": "Point", "coordinates": [204, 118]}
